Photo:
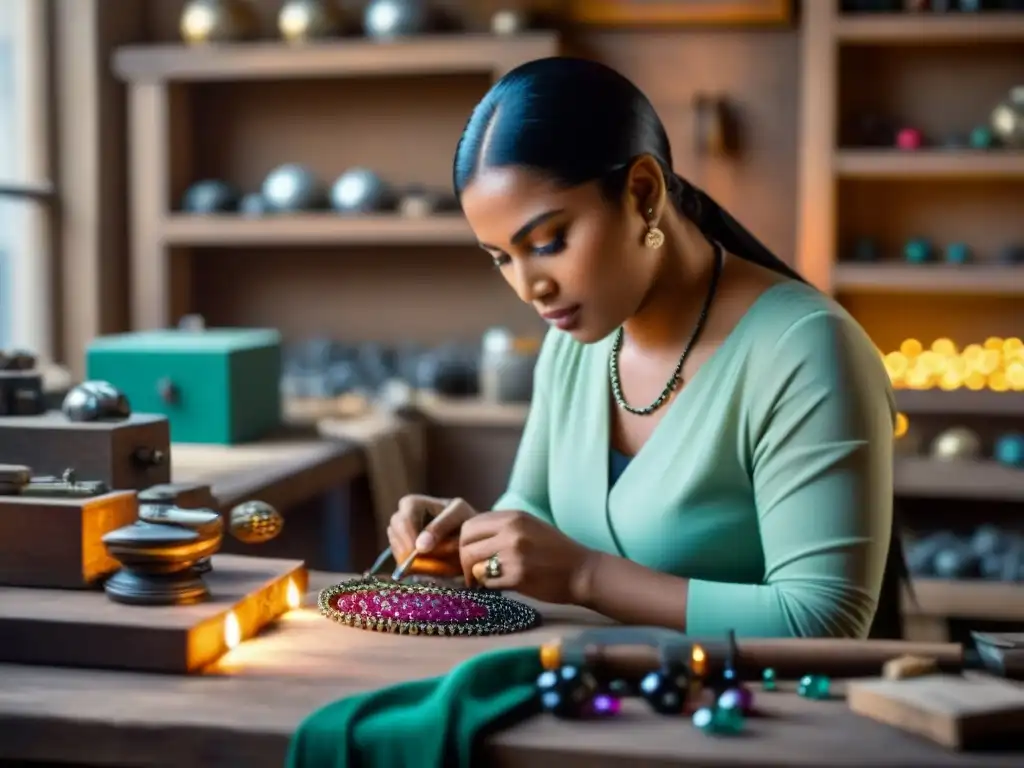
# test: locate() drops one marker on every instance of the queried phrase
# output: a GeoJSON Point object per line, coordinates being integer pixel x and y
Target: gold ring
{"type": "Point", "coordinates": [493, 570]}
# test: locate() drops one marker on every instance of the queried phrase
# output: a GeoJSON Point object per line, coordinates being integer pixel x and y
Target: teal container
{"type": "Point", "coordinates": [220, 385]}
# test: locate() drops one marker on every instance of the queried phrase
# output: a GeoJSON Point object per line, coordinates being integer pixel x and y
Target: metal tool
{"type": "Point", "coordinates": [399, 573]}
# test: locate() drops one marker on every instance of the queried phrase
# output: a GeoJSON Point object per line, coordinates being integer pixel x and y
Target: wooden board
{"type": "Point", "coordinates": [57, 543]}
{"type": "Point", "coordinates": [244, 711]}
{"type": "Point", "coordinates": [105, 451]}
{"type": "Point", "coordinates": [958, 712]}
{"type": "Point", "coordinates": [282, 472]}
{"type": "Point", "coordinates": [87, 629]}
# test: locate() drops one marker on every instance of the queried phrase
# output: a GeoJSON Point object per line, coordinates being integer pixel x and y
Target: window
{"type": "Point", "coordinates": [26, 195]}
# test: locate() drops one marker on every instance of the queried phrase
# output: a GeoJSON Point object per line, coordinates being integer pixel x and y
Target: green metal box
{"type": "Point", "coordinates": [219, 385]}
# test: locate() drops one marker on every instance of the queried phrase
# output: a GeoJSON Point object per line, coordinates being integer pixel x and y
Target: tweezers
{"type": "Point", "coordinates": [399, 573]}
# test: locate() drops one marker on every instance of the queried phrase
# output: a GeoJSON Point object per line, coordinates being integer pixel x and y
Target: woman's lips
{"type": "Point", "coordinates": [564, 319]}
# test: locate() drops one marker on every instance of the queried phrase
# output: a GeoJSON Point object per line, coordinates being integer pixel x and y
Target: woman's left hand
{"type": "Point", "coordinates": [535, 559]}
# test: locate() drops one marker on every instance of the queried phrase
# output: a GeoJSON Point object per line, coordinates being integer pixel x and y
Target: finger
{"type": "Point", "coordinates": [413, 513]}
{"type": "Point", "coordinates": [509, 578]}
{"type": "Point", "coordinates": [486, 525]}
{"type": "Point", "coordinates": [444, 525]}
{"type": "Point", "coordinates": [479, 551]}
{"type": "Point", "coordinates": [401, 542]}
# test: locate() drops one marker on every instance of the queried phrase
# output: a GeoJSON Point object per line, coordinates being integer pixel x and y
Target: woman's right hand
{"type": "Point", "coordinates": [431, 526]}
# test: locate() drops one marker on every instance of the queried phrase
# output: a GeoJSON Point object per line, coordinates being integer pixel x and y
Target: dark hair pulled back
{"type": "Point", "coordinates": [578, 121]}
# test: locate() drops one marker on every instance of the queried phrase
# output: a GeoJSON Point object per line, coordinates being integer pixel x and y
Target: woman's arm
{"type": "Point", "coordinates": [822, 476]}
{"type": "Point", "coordinates": [528, 483]}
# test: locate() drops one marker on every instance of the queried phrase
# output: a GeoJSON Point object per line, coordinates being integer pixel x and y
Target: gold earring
{"type": "Point", "coordinates": [654, 238]}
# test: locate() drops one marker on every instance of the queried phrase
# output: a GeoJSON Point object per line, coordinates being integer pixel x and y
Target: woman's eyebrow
{"type": "Point", "coordinates": [521, 233]}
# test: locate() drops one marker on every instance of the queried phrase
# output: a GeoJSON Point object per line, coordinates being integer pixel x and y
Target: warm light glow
{"type": "Point", "coordinates": [996, 364]}
{"type": "Point", "coordinates": [293, 596]}
{"type": "Point", "coordinates": [902, 425]}
{"type": "Point", "coordinates": [698, 660]}
{"type": "Point", "coordinates": [232, 631]}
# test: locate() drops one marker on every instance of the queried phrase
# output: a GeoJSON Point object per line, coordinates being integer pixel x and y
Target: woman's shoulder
{"type": "Point", "coordinates": [798, 318]}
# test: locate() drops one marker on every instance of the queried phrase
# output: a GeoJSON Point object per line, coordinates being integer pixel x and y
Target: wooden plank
{"type": "Point", "coordinates": [967, 599]}
{"type": "Point", "coordinates": [929, 28]}
{"type": "Point", "coordinates": [428, 55]}
{"type": "Point", "coordinates": [816, 211]}
{"type": "Point", "coordinates": [941, 279]}
{"type": "Point", "coordinates": [955, 711]}
{"type": "Point", "coordinates": [962, 402]}
{"type": "Point", "coordinates": [931, 479]}
{"type": "Point", "coordinates": [234, 231]}
{"type": "Point", "coordinates": [245, 710]}
{"type": "Point", "coordinates": [149, 172]}
{"type": "Point", "coordinates": [692, 12]}
{"type": "Point", "coordinates": [929, 164]}
{"type": "Point", "coordinates": [283, 472]}
{"type": "Point", "coordinates": [87, 629]}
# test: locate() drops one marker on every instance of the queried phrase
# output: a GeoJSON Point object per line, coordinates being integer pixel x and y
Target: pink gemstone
{"type": "Point", "coordinates": [909, 138]}
{"type": "Point", "coordinates": [412, 607]}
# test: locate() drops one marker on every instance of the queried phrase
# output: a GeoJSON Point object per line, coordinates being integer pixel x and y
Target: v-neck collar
{"type": "Point", "coordinates": [667, 428]}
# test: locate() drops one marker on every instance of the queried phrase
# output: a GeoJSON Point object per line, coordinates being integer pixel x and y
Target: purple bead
{"type": "Point", "coordinates": [740, 697]}
{"type": "Point", "coordinates": [603, 705]}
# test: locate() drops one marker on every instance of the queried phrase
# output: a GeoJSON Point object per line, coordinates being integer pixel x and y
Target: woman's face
{"type": "Point", "coordinates": [577, 258]}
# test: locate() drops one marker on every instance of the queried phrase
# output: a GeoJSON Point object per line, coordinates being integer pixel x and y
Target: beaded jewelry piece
{"type": "Point", "coordinates": [422, 609]}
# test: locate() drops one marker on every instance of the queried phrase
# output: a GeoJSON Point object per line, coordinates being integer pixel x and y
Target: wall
{"type": "Point", "coordinates": [455, 289]}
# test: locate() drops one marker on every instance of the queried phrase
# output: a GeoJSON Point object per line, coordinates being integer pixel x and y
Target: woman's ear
{"type": "Point", "coordinates": [646, 191]}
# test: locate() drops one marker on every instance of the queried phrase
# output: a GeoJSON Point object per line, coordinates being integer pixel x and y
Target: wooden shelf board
{"type": "Point", "coordinates": [976, 480]}
{"type": "Point", "coordinates": [928, 163]}
{"type": "Point", "coordinates": [968, 279]}
{"type": "Point", "coordinates": [966, 599]}
{"type": "Point", "coordinates": [344, 57]}
{"type": "Point", "coordinates": [962, 402]}
{"type": "Point", "coordinates": [929, 28]}
{"type": "Point", "coordinates": [313, 229]}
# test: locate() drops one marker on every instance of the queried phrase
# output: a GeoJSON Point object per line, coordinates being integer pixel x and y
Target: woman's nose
{"type": "Point", "coordinates": [531, 286]}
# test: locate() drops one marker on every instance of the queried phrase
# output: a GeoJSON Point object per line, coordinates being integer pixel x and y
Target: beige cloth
{"type": "Point", "coordinates": [395, 451]}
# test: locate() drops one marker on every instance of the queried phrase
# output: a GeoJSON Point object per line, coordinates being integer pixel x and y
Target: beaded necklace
{"type": "Point", "coordinates": [676, 378]}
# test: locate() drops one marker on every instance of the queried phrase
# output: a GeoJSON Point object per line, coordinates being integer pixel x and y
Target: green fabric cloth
{"type": "Point", "coordinates": [767, 482]}
{"type": "Point", "coordinates": [432, 723]}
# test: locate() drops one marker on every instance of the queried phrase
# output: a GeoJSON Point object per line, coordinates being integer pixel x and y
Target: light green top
{"type": "Point", "coordinates": [767, 483]}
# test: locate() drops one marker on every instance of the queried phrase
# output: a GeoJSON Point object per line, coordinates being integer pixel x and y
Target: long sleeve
{"type": "Point", "coordinates": [528, 484]}
{"type": "Point", "coordinates": [821, 452]}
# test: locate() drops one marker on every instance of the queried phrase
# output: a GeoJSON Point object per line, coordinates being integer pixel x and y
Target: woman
{"type": "Point", "coordinates": [709, 445]}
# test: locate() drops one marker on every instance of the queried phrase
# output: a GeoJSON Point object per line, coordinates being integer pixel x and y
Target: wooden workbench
{"type": "Point", "coordinates": [318, 485]}
{"type": "Point", "coordinates": [244, 711]}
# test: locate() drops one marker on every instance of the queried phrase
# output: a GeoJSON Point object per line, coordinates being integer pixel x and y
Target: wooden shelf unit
{"type": "Point", "coordinates": [234, 86]}
{"type": "Point", "coordinates": [844, 190]}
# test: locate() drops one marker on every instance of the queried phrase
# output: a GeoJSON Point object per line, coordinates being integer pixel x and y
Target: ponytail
{"type": "Point", "coordinates": [719, 226]}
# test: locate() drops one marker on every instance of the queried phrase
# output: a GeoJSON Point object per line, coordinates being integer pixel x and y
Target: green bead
{"type": "Point", "coordinates": [981, 138]}
{"type": "Point", "coordinates": [768, 680]}
{"type": "Point", "coordinates": [917, 251]}
{"type": "Point", "coordinates": [728, 720]}
{"type": "Point", "coordinates": [822, 688]}
{"type": "Point", "coordinates": [806, 684]}
{"type": "Point", "coordinates": [814, 687]}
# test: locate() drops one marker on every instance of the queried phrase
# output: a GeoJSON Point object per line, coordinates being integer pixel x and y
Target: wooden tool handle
{"type": "Point", "coordinates": [790, 658]}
